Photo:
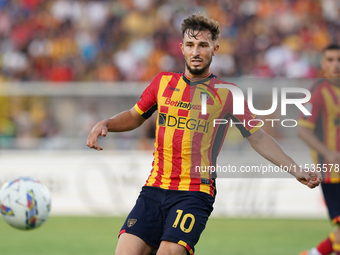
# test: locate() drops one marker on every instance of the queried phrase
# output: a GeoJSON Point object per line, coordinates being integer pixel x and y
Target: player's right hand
{"type": "Point", "coordinates": [309, 178]}
{"type": "Point", "coordinates": [99, 129]}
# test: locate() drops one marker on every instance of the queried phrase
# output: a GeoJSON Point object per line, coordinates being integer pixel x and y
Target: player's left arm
{"type": "Point", "coordinates": [267, 147]}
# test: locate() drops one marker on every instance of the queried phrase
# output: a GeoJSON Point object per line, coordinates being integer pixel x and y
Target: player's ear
{"type": "Point", "coordinates": [182, 47]}
{"type": "Point", "coordinates": [216, 47]}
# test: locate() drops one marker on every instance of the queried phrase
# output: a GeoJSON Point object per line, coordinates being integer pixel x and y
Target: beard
{"type": "Point", "coordinates": [198, 71]}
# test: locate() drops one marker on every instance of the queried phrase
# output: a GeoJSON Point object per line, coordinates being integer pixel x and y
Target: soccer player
{"type": "Point", "coordinates": [174, 205]}
{"type": "Point", "coordinates": [321, 131]}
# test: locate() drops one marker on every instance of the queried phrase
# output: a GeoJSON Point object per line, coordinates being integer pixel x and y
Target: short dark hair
{"type": "Point", "coordinates": [332, 47]}
{"type": "Point", "coordinates": [200, 22]}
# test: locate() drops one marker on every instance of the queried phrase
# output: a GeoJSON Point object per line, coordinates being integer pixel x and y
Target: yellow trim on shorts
{"type": "Point", "coordinates": [186, 246]}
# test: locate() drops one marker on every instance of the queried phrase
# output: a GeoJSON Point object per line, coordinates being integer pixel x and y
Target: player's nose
{"type": "Point", "coordinates": [195, 51]}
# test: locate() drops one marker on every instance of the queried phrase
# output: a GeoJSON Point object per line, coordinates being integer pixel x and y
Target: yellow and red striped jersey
{"type": "Point", "coordinates": [186, 139]}
{"type": "Point", "coordinates": [325, 121]}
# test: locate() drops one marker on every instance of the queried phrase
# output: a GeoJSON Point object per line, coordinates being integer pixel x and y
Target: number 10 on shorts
{"type": "Point", "coordinates": [183, 221]}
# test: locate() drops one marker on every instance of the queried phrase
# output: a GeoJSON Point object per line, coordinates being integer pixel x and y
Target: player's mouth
{"type": "Point", "coordinates": [196, 62]}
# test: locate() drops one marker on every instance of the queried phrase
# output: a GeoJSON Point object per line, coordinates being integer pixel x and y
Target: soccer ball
{"type": "Point", "coordinates": [25, 203]}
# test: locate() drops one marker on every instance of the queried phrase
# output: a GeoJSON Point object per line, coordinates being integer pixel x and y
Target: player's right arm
{"type": "Point", "coordinates": [124, 121]}
{"type": "Point", "coordinates": [268, 148]}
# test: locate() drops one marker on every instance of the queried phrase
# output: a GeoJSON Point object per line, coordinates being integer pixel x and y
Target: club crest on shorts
{"type": "Point", "coordinates": [131, 222]}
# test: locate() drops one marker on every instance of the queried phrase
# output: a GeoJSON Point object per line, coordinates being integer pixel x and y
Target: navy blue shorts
{"type": "Point", "coordinates": [170, 215]}
{"type": "Point", "coordinates": [331, 193]}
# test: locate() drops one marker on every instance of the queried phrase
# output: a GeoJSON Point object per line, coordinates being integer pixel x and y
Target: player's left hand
{"type": "Point", "coordinates": [308, 178]}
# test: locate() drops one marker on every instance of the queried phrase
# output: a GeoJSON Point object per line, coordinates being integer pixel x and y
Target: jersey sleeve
{"type": "Point", "coordinates": [147, 103]}
{"type": "Point", "coordinates": [247, 123]}
{"type": "Point", "coordinates": [315, 107]}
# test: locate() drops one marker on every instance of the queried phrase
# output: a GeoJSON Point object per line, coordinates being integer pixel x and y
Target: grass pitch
{"type": "Point", "coordinates": [98, 235]}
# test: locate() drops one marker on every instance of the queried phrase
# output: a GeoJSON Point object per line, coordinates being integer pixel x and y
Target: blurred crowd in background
{"type": "Point", "coordinates": [132, 40]}
{"type": "Point", "coordinates": [126, 40]}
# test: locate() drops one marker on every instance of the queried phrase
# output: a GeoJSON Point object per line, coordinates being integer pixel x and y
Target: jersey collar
{"type": "Point", "coordinates": [193, 83]}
